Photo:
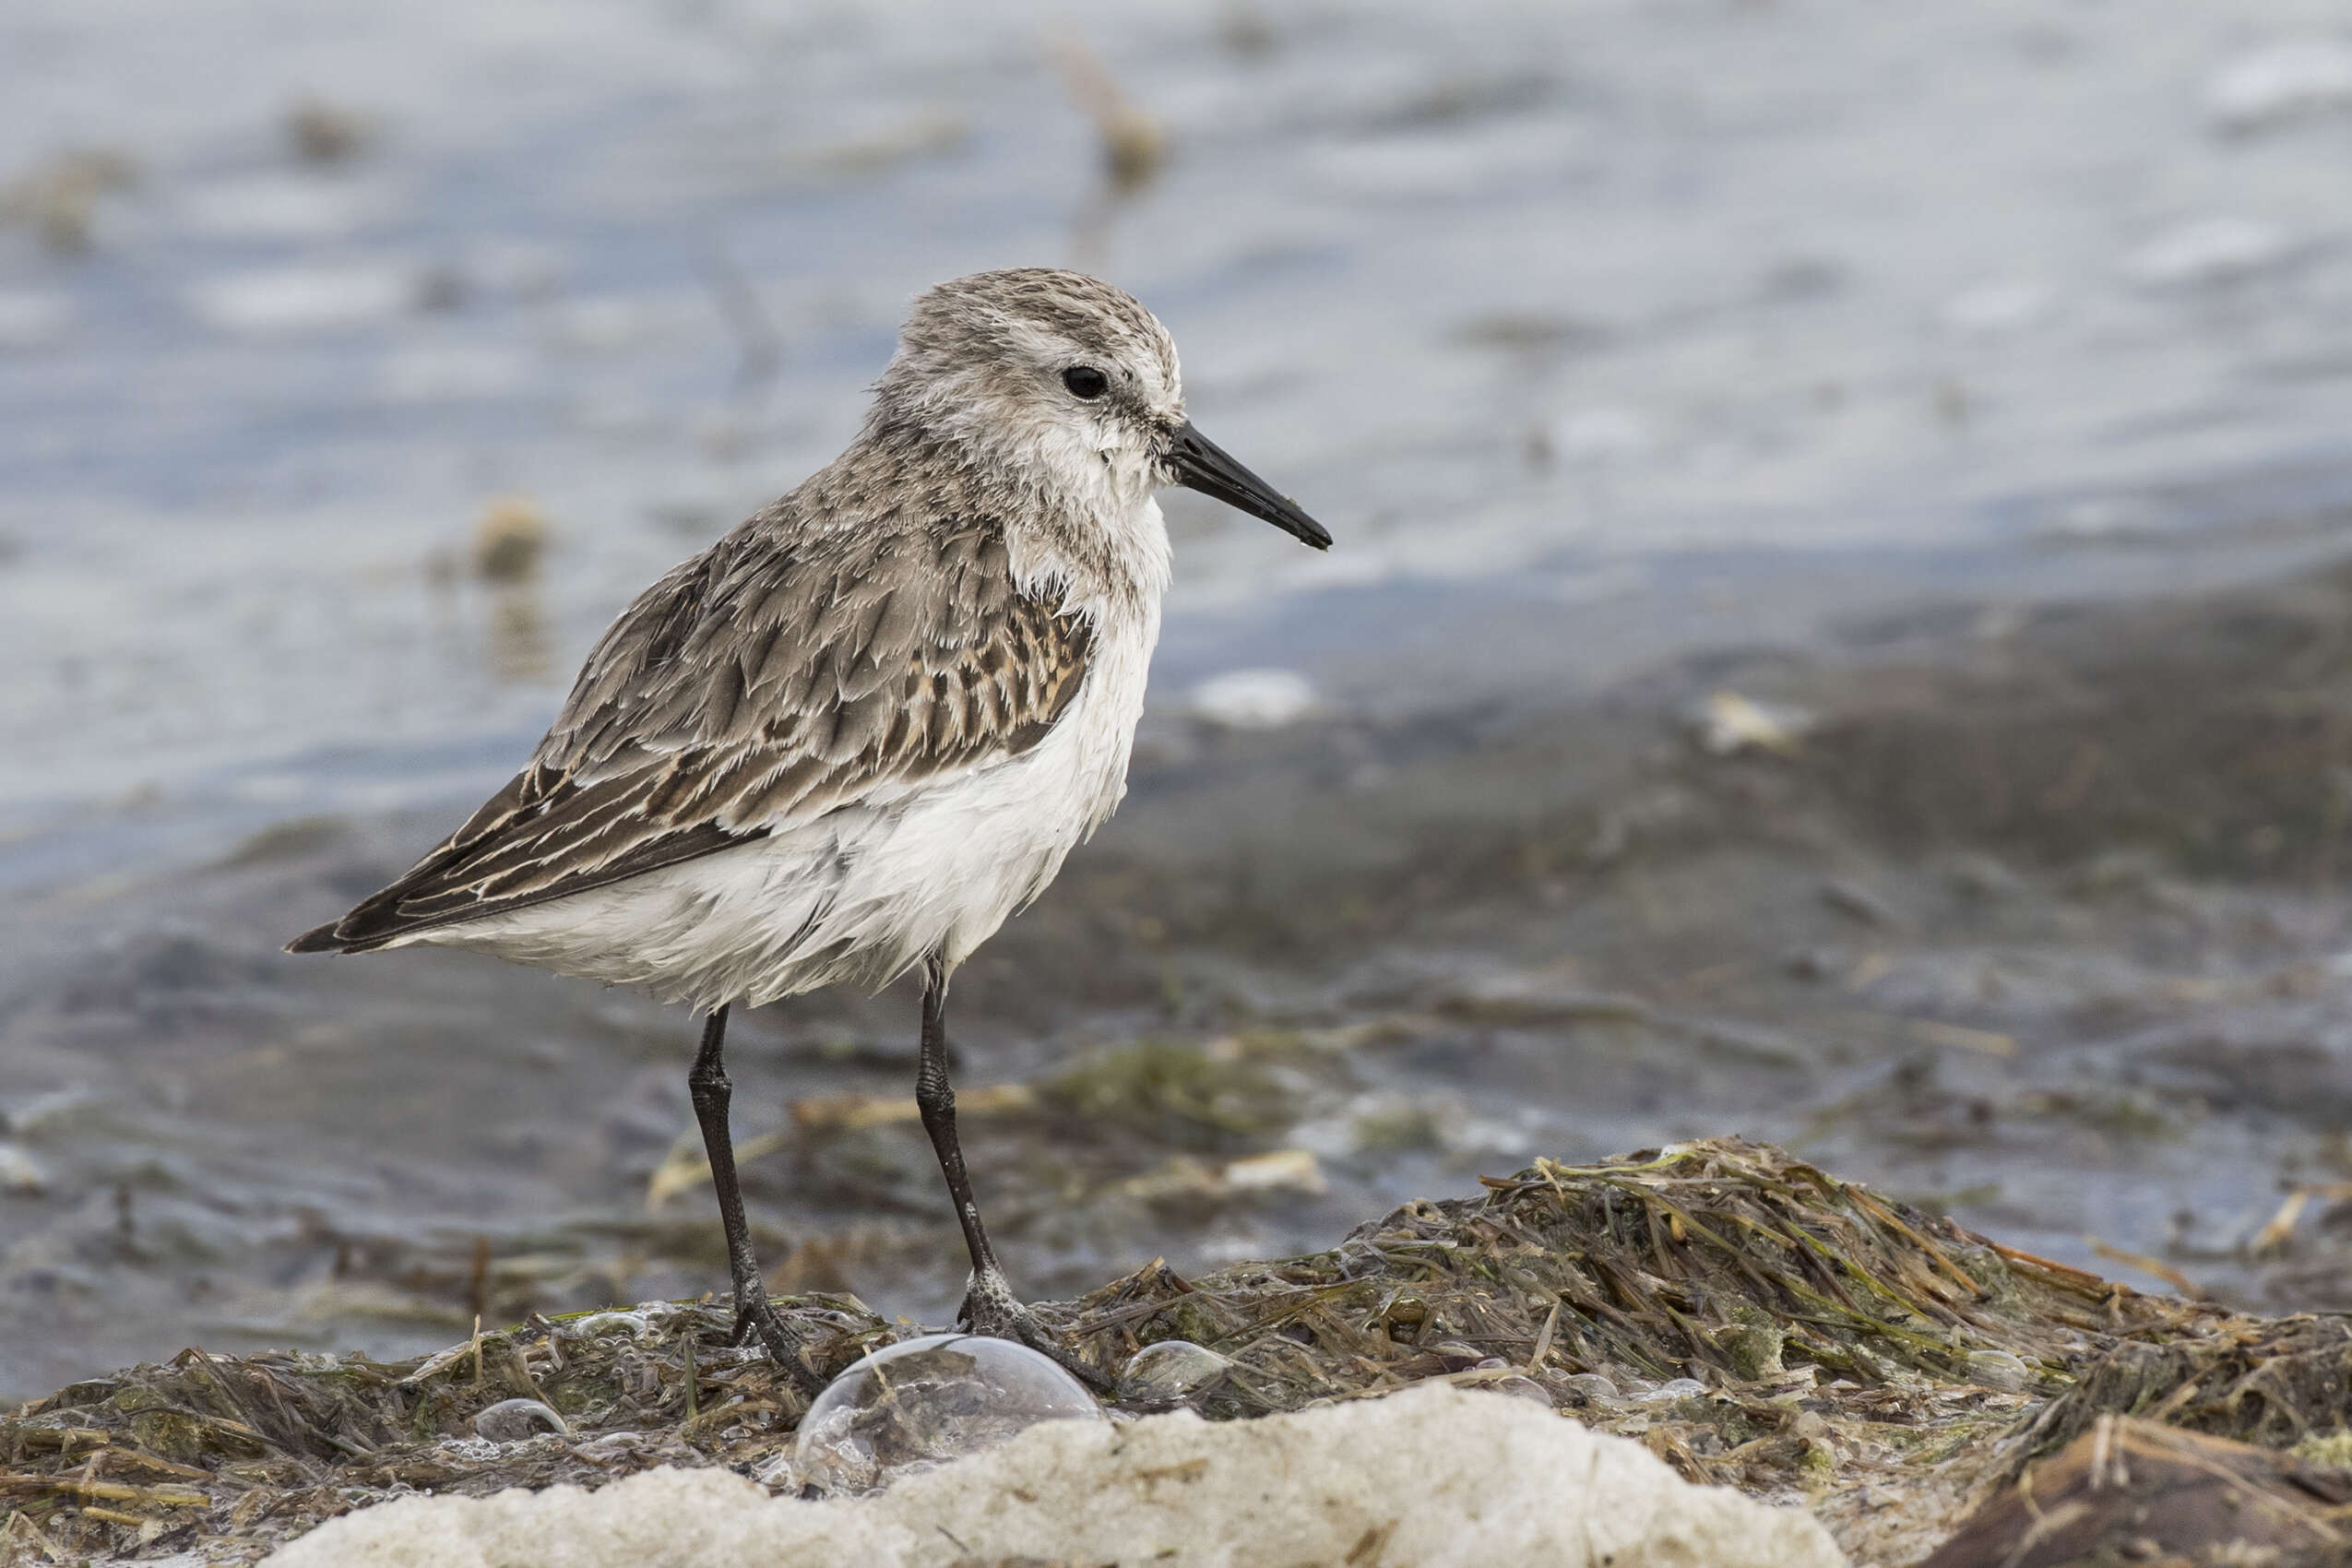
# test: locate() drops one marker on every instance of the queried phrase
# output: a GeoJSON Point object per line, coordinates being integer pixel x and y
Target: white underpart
{"type": "Point", "coordinates": [859, 895]}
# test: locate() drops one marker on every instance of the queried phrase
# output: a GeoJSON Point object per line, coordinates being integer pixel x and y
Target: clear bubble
{"type": "Point", "coordinates": [1168, 1373]}
{"type": "Point", "coordinates": [1594, 1386]}
{"type": "Point", "coordinates": [912, 1406]}
{"type": "Point", "coordinates": [1999, 1370]}
{"type": "Point", "coordinates": [513, 1421]}
{"type": "Point", "coordinates": [1518, 1388]}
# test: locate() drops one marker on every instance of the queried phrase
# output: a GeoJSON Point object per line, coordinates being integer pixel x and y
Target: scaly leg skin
{"type": "Point", "coordinates": [710, 1089]}
{"type": "Point", "coordinates": [989, 1307]}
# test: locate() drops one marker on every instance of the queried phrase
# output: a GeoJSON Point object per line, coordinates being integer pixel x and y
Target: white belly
{"type": "Point", "coordinates": [860, 895]}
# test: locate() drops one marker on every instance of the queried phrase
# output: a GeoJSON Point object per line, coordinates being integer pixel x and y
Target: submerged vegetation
{"type": "Point", "coordinates": [1750, 1319]}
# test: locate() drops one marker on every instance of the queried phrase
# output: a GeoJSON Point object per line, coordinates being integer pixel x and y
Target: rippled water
{"type": "Point", "coordinates": [1598, 332]}
{"type": "Point", "coordinates": [1564, 289]}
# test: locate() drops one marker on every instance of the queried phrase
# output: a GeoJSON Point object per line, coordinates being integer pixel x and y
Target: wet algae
{"type": "Point", "coordinates": [1753, 1320]}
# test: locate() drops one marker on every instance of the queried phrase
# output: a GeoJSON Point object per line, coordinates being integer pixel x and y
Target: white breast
{"type": "Point", "coordinates": [957, 860]}
{"type": "Point", "coordinates": [860, 895]}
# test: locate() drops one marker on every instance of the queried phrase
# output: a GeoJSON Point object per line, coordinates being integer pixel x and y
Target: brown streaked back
{"type": "Point", "coordinates": [787, 671]}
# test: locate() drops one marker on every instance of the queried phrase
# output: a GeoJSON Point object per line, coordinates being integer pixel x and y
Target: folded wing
{"type": "Point", "coordinates": [762, 683]}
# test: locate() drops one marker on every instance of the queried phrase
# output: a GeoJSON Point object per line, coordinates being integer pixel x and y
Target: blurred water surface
{"type": "Point", "coordinates": [1567, 288]}
{"type": "Point", "coordinates": [357, 362]}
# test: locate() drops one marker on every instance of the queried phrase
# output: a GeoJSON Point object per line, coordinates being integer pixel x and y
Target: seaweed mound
{"type": "Point", "coordinates": [1752, 1320]}
{"type": "Point", "coordinates": [2274, 1383]}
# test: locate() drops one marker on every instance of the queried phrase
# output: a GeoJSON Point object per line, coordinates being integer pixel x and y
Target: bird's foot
{"type": "Point", "coordinates": [989, 1308]}
{"type": "Point", "coordinates": [756, 1316]}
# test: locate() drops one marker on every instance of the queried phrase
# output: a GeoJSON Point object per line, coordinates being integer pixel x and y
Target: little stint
{"type": "Point", "coordinates": [854, 735]}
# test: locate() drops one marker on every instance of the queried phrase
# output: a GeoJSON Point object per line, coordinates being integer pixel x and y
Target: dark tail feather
{"type": "Point", "coordinates": [319, 939]}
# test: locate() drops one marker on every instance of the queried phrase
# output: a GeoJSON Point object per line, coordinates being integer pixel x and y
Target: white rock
{"type": "Point", "coordinates": [1434, 1476]}
{"type": "Point", "coordinates": [1255, 699]}
{"type": "Point", "coordinates": [2281, 81]}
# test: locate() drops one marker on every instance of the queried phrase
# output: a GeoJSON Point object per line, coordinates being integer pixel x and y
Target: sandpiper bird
{"type": "Point", "coordinates": [858, 733]}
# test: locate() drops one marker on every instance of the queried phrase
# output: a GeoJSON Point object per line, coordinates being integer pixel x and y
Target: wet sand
{"type": "Point", "coordinates": [2025, 912]}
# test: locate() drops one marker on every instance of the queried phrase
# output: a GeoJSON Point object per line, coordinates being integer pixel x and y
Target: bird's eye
{"type": "Point", "coordinates": [1085, 381]}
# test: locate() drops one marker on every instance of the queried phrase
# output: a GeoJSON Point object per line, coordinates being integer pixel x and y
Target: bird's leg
{"type": "Point", "coordinates": [710, 1089]}
{"type": "Point", "coordinates": [989, 1307]}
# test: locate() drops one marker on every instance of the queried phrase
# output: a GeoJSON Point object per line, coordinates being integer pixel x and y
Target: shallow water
{"type": "Point", "coordinates": [1600, 334]}
{"type": "Point", "coordinates": [1564, 290]}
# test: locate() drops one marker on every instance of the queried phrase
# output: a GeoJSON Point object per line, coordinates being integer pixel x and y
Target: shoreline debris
{"type": "Point", "coordinates": [1750, 1319]}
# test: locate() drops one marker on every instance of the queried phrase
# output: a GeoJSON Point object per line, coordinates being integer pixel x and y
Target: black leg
{"type": "Point", "coordinates": [710, 1089]}
{"type": "Point", "coordinates": [936, 1097]}
{"type": "Point", "coordinates": [989, 1306]}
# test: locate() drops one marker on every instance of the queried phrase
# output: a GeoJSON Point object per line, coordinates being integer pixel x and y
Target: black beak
{"type": "Point", "coordinates": [1201, 464]}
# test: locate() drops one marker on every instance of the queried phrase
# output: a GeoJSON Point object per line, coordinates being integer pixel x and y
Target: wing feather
{"type": "Point", "coordinates": [774, 677]}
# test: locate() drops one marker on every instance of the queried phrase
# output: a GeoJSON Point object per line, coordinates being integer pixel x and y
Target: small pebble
{"type": "Point", "coordinates": [1592, 1385]}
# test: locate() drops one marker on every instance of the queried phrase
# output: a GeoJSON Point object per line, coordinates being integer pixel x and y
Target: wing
{"type": "Point", "coordinates": [766, 682]}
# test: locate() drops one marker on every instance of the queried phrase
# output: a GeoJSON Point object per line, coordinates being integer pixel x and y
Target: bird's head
{"type": "Point", "coordinates": [1070, 388]}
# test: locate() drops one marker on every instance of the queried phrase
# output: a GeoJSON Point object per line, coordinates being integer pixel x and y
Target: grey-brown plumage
{"type": "Point", "coordinates": [853, 736]}
{"type": "Point", "coordinates": [777, 676]}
